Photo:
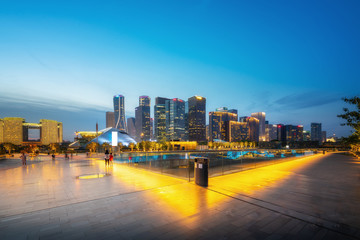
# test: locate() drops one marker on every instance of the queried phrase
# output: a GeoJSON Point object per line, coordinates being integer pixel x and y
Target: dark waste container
{"type": "Point", "coordinates": [201, 171]}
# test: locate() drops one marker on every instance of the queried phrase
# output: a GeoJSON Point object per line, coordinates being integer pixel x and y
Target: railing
{"type": "Point", "coordinates": [181, 164]}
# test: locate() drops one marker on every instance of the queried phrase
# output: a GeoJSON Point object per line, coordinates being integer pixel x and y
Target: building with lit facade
{"type": "Point", "coordinates": [316, 132]}
{"type": "Point", "coordinates": [110, 119]}
{"type": "Point", "coordinates": [270, 131]}
{"type": "Point", "coordinates": [197, 118]}
{"type": "Point", "coordinates": [131, 130]}
{"type": "Point", "coordinates": [219, 124]}
{"type": "Point", "coordinates": [306, 136]}
{"type": "Point", "coordinates": [119, 112]}
{"type": "Point", "coordinates": [239, 131]}
{"type": "Point", "coordinates": [160, 119]}
{"type": "Point", "coordinates": [254, 128]}
{"type": "Point", "coordinates": [294, 133]}
{"type": "Point", "coordinates": [175, 119]}
{"type": "Point", "coordinates": [261, 117]}
{"type": "Point", "coordinates": [142, 119]}
{"type": "Point", "coordinates": [16, 131]}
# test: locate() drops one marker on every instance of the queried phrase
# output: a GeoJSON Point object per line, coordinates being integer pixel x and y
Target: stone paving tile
{"type": "Point", "coordinates": [281, 201]}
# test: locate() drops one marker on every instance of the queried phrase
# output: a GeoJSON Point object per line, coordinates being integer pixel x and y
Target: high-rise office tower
{"type": "Point", "coordinates": [142, 119]}
{"type": "Point", "coordinates": [239, 131]}
{"type": "Point", "coordinates": [110, 119]}
{"type": "Point", "coordinates": [233, 111]}
{"type": "Point", "coordinates": [119, 112]}
{"type": "Point", "coordinates": [186, 117]}
{"type": "Point", "coordinates": [316, 132]}
{"type": "Point", "coordinates": [272, 132]}
{"type": "Point", "coordinates": [151, 128]}
{"type": "Point", "coordinates": [160, 119]}
{"type": "Point", "coordinates": [197, 118]}
{"type": "Point", "coordinates": [219, 124]}
{"type": "Point", "coordinates": [175, 119]}
{"type": "Point", "coordinates": [294, 133]}
{"type": "Point", "coordinates": [281, 132]}
{"type": "Point", "coordinates": [254, 128]}
{"type": "Point", "coordinates": [306, 136]}
{"type": "Point", "coordinates": [261, 117]}
{"type": "Point", "coordinates": [131, 130]}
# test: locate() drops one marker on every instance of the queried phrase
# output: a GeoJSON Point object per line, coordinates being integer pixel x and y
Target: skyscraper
{"type": "Point", "coordinates": [316, 132]}
{"type": "Point", "coordinates": [219, 124]}
{"type": "Point", "coordinates": [197, 118]}
{"type": "Point", "coordinates": [175, 119]}
{"type": "Point", "coordinates": [131, 130]}
{"type": "Point", "coordinates": [323, 136]}
{"type": "Point", "coordinates": [142, 119]}
{"type": "Point", "coordinates": [261, 117]}
{"type": "Point", "coordinates": [119, 112]}
{"type": "Point", "coordinates": [160, 119]}
{"type": "Point", "coordinates": [254, 128]}
{"type": "Point", "coordinates": [239, 131]}
{"type": "Point", "coordinates": [110, 119]}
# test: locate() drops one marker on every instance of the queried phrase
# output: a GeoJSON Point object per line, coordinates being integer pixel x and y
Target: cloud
{"type": "Point", "coordinates": [304, 100]}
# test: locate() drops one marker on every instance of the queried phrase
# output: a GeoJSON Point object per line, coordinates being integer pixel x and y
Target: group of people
{"type": "Point", "coordinates": [108, 158]}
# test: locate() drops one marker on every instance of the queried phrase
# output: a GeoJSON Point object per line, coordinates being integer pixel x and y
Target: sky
{"type": "Point", "coordinates": [65, 60]}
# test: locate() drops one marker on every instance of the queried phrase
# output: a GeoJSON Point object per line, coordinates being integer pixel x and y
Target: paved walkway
{"type": "Point", "coordinates": [311, 198]}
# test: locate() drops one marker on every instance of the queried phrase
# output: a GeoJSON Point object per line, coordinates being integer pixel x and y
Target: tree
{"type": "Point", "coordinates": [120, 146]}
{"type": "Point", "coordinates": [106, 146]}
{"type": "Point", "coordinates": [210, 145]}
{"type": "Point", "coordinates": [352, 120]}
{"type": "Point", "coordinates": [131, 146]}
{"type": "Point", "coordinates": [54, 147]}
{"type": "Point", "coordinates": [92, 146]}
{"type": "Point", "coordinates": [9, 147]}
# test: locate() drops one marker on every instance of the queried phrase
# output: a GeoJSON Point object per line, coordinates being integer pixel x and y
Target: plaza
{"type": "Point", "coordinates": [314, 197]}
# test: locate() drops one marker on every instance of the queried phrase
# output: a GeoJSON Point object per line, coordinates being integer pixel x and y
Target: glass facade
{"type": "Point", "coordinates": [160, 119]}
{"type": "Point", "coordinates": [119, 112]}
{"type": "Point", "coordinates": [175, 119]}
{"type": "Point", "coordinates": [219, 125]}
{"type": "Point", "coordinates": [239, 131]}
{"type": "Point", "coordinates": [142, 119]}
{"type": "Point", "coordinates": [197, 119]}
{"type": "Point", "coordinates": [316, 132]}
{"type": "Point", "coordinates": [261, 117]}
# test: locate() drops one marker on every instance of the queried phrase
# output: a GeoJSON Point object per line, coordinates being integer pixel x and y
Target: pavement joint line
{"type": "Point", "coordinates": [15, 216]}
{"type": "Point", "coordinates": [317, 221]}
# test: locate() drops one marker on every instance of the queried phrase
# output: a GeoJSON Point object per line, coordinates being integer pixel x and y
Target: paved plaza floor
{"type": "Point", "coordinates": [315, 197]}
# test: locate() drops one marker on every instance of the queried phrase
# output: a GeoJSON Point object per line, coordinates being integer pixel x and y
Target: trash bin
{"type": "Point", "coordinates": [201, 171]}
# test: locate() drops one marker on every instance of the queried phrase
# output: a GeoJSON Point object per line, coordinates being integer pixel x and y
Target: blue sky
{"type": "Point", "coordinates": [65, 61]}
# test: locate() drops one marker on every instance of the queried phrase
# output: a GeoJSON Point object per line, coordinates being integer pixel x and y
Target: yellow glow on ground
{"type": "Point", "coordinates": [92, 176]}
{"type": "Point", "coordinates": [248, 182]}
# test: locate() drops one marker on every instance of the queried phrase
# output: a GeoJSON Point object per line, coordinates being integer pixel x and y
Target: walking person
{"type": "Point", "coordinates": [23, 159]}
{"type": "Point", "coordinates": [107, 157]}
{"type": "Point", "coordinates": [111, 158]}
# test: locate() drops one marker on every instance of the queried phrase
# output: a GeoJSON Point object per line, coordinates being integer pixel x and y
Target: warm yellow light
{"type": "Point", "coordinates": [99, 175]}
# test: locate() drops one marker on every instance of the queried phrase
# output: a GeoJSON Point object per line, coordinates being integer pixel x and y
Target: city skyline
{"type": "Point", "coordinates": [293, 61]}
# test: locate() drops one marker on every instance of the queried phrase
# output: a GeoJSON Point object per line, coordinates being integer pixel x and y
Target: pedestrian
{"type": "Point", "coordinates": [111, 157]}
{"type": "Point", "coordinates": [53, 156]}
{"type": "Point", "coordinates": [106, 157]}
{"type": "Point", "coordinates": [23, 159]}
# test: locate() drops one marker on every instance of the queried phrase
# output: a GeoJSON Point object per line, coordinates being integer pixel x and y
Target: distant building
{"type": "Point", "coordinates": [270, 132]}
{"type": "Point", "coordinates": [175, 119]}
{"type": "Point", "coordinates": [254, 128]}
{"type": "Point", "coordinates": [207, 132]}
{"type": "Point", "coordinates": [119, 112]}
{"type": "Point", "coordinates": [142, 119]}
{"type": "Point", "coordinates": [110, 119]}
{"type": "Point", "coordinates": [294, 133]}
{"type": "Point", "coordinates": [151, 128]}
{"type": "Point", "coordinates": [186, 117]}
{"type": "Point", "coordinates": [243, 118]}
{"type": "Point", "coordinates": [239, 131]}
{"type": "Point", "coordinates": [323, 136]}
{"type": "Point", "coordinates": [261, 117]}
{"type": "Point", "coordinates": [306, 136]}
{"type": "Point", "coordinates": [219, 124]}
{"type": "Point", "coordinates": [316, 132]}
{"type": "Point", "coordinates": [131, 130]}
{"type": "Point", "coordinates": [160, 119]}
{"type": "Point", "coordinates": [281, 133]}
{"type": "Point", "coordinates": [16, 131]}
{"type": "Point", "coordinates": [197, 118]}
{"type": "Point", "coordinates": [233, 111]}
